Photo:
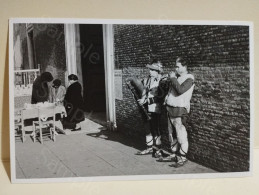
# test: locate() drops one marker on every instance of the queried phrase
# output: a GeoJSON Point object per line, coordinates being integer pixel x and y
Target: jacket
{"type": "Point", "coordinates": [176, 99]}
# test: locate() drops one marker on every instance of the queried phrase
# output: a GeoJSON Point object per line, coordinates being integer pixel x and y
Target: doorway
{"type": "Point", "coordinates": [93, 72]}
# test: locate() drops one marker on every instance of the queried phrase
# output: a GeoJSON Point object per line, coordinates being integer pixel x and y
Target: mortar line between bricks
{"type": "Point", "coordinates": [61, 161]}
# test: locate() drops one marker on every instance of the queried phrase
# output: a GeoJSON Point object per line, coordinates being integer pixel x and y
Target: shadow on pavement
{"type": "Point", "coordinates": [117, 136]}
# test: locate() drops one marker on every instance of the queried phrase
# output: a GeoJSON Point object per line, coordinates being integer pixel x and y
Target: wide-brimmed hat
{"type": "Point", "coordinates": [156, 66]}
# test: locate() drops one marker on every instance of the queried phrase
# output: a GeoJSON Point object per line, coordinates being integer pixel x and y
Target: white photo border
{"type": "Point", "coordinates": [13, 21]}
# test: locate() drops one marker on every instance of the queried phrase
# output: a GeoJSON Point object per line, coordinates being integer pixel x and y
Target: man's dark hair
{"type": "Point", "coordinates": [72, 77]}
{"type": "Point", "coordinates": [183, 61]}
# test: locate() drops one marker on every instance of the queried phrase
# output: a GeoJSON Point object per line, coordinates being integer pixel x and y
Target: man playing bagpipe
{"type": "Point", "coordinates": [152, 98]}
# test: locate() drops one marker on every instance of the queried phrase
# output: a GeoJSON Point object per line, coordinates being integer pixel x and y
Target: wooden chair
{"type": "Point", "coordinates": [26, 114]}
{"type": "Point", "coordinates": [46, 119]}
{"type": "Point", "coordinates": [17, 122]}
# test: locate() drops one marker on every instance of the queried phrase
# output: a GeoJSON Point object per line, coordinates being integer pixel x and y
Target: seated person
{"type": "Point", "coordinates": [57, 92]}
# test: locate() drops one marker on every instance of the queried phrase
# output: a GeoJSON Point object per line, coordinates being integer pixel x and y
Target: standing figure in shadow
{"type": "Point", "coordinates": [40, 88]}
{"type": "Point", "coordinates": [73, 103]}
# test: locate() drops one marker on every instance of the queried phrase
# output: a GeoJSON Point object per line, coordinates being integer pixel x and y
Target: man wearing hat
{"type": "Point", "coordinates": [153, 98]}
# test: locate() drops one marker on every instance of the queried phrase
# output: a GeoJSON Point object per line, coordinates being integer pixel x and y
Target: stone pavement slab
{"type": "Point", "coordinates": [90, 152]}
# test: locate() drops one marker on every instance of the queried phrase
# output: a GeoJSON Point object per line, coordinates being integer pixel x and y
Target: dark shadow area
{"type": "Point", "coordinates": [98, 117]}
{"type": "Point", "coordinates": [118, 136]}
{"type": "Point", "coordinates": [5, 116]}
{"type": "Point", "coordinates": [92, 59]}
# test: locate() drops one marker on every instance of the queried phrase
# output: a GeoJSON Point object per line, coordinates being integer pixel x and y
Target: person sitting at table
{"type": "Point", "coordinates": [57, 92]}
{"type": "Point", "coordinates": [40, 88]}
{"type": "Point", "coordinates": [73, 103]}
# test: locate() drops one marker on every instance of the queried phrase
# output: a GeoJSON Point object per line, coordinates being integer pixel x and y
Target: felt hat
{"type": "Point", "coordinates": [156, 66]}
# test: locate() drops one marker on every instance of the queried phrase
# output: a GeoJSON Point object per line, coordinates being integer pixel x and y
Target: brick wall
{"type": "Point", "coordinates": [219, 125]}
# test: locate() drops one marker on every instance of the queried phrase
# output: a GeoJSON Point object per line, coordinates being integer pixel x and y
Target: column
{"type": "Point", "coordinates": [73, 56]}
{"type": "Point", "coordinates": [109, 75]}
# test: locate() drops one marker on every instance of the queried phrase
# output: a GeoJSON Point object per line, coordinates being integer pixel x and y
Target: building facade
{"type": "Point", "coordinates": [219, 123]}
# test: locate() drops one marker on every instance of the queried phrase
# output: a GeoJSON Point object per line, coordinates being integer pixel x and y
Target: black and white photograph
{"type": "Point", "coordinates": [96, 100]}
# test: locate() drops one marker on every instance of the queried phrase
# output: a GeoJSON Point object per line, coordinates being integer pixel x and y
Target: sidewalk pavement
{"type": "Point", "coordinates": [93, 151]}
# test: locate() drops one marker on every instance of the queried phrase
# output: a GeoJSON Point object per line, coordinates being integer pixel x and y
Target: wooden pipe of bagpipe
{"type": "Point", "coordinates": [164, 77]}
{"type": "Point", "coordinates": [137, 89]}
{"type": "Point", "coordinates": [167, 76]}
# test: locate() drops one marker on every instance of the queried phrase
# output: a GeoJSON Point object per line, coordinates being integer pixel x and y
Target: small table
{"type": "Point", "coordinates": [32, 112]}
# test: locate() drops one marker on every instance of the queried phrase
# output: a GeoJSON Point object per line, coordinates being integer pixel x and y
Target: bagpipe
{"type": "Point", "coordinates": [137, 89]}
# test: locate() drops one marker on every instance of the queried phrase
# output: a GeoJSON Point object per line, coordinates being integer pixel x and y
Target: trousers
{"type": "Point", "coordinates": [153, 134]}
{"type": "Point", "coordinates": [180, 142]}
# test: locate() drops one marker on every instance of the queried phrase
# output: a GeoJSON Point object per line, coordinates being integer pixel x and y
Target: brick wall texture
{"type": "Point", "coordinates": [219, 123]}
